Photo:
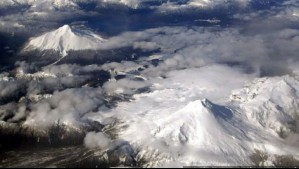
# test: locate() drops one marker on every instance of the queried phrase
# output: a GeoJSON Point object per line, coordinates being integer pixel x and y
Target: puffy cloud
{"type": "Point", "coordinates": [96, 140]}
{"type": "Point", "coordinates": [20, 114]}
{"type": "Point", "coordinates": [198, 47]}
{"type": "Point", "coordinates": [124, 86]}
{"type": "Point", "coordinates": [130, 3]}
{"type": "Point", "coordinates": [39, 5]}
{"type": "Point", "coordinates": [11, 90]}
{"type": "Point", "coordinates": [211, 3]}
{"type": "Point", "coordinates": [7, 110]}
{"type": "Point", "coordinates": [68, 106]}
{"type": "Point", "coordinates": [201, 4]}
{"type": "Point", "coordinates": [145, 46]}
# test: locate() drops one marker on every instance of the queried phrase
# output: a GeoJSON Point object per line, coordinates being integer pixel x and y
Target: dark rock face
{"type": "Point", "coordinates": [69, 157]}
{"type": "Point", "coordinates": [15, 136]}
{"type": "Point", "coordinates": [60, 146]}
{"type": "Point", "coordinates": [122, 154]}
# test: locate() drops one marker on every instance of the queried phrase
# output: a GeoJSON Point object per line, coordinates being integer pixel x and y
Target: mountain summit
{"type": "Point", "coordinates": [65, 39]}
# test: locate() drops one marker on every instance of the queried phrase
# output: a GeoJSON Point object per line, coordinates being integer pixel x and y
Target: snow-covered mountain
{"type": "Point", "coordinates": [65, 39]}
{"type": "Point", "coordinates": [177, 131]}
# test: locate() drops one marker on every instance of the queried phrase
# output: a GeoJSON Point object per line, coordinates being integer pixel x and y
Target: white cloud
{"type": "Point", "coordinates": [200, 4]}
{"type": "Point", "coordinates": [97, 140]}
{"type": "Point", "coordinates": [10, 88]}
{"type": "Point", "coordinates": [67, 106]}
{"type": "Point", "coordinates": [130, 3]}
{"type": "Point", "coordinates": [123, 86]}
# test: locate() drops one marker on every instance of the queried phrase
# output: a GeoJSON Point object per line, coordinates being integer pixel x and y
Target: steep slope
{"type": "Point", "coordinates": [191, 124]}
{"type": "Point", "coordinates": [65, 39]}
{"type": "Point", "coordinates": [202, 126]}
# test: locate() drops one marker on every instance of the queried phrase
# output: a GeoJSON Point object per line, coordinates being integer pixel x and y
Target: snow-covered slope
{"type": "Point", "coordinates": [174, 126]}
{"type": "Point", "coordinates": [271, 103]}
{"type": "Point", "coordinates": [196, 133]}
{"type": "Point", "coordinates": [65, 39]}
{"type": "Point", "coordinates": [205, 127]}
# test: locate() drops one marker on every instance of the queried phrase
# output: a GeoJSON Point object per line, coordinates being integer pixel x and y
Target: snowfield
{"type": "Point", "coordinates": [173, 125]}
